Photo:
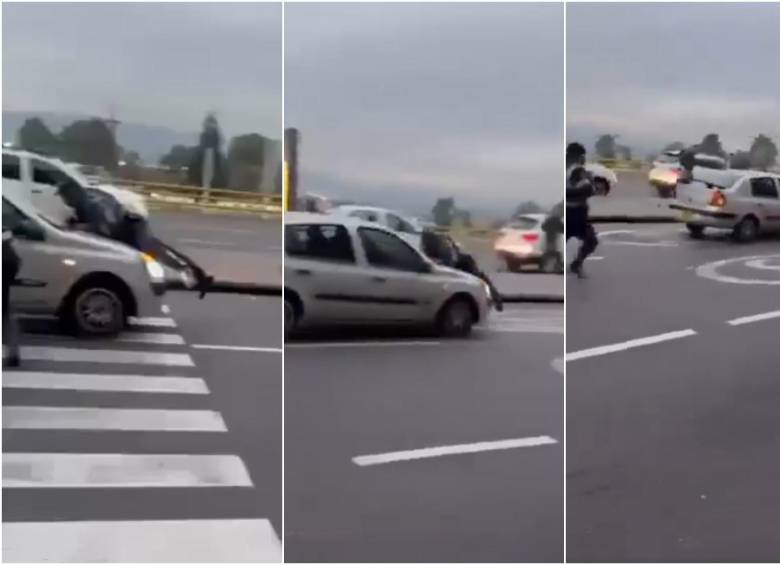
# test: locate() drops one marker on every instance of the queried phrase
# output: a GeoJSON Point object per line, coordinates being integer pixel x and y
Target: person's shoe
{"type": "Point", "coordinates": [577, 269]}
{"type": "Point", "coordinates": [499, 304]}
{"type": "Point", "coordinates": [11, 362]}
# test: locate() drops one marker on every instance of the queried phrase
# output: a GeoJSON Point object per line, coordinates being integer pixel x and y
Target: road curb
{"type": "Point", "coordinates": [532, 298]}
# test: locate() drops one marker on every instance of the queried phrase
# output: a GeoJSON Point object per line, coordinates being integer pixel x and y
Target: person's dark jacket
{"type": "Point", "coordinates": [11, 261]}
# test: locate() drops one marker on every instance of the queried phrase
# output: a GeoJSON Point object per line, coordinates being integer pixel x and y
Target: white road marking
{"type": "Point", "coordinates": [615, 232]}
{"type": "Point", "coordinates": [125, 419]}
{"type": "Point", "coordinates": [348, 344]}
{"type": "Point", "coordinates": [153, 322]}
{"type": "Point", "coordinates": [152, 337]}
{"type": "Point", "coordinates": [754, 318]}
{"type": "Point", "coordinates": [237, 348]}
{"type": "Point", "coordinates": [165, 309]}
{"type": "Point", "coordinates": [122, 470]}
{"type": "Point", "coordinates": [558, 364]}
{"type": "Point", "coordinates": [118, 383]}
{"type": "Point", "coordinates": [428, 452]}
{"type": "Point", "coordinates": [759, 262]}
{"type": "Point", "coordinates": [142, 541]}
{"type": "Point", "coordinates": [616, 347]}
{"type": "Point", "coordinates": [73, 355]}
{"type": "Point", "coordinates": [206, 242]}
{"type": "Point", "coordinates": [644, 243]}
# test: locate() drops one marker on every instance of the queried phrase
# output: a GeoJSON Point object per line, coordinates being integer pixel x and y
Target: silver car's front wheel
{"type": "Point", "coordinates": [456, 318]}
{"type": "Point", "coordinates": [98, 311]}
{"type": "Point", "coordinates": [290, 317]}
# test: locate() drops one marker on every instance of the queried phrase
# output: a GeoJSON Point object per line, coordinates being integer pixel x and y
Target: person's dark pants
{"type": "Point", "coordinates": [10, 326]}
{"type": "Point", "coordinates": [578, 226]}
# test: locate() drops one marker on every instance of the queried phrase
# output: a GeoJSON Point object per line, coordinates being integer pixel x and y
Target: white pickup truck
{"type": "Point", "coordinates": [39, 178]}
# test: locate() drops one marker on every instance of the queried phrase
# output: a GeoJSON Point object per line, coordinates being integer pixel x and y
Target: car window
{"type": "Point", "coordinates": [523, 223]}
{"type": "Point", "coordinates": [12, 216]}
{"type": "Point", "coordinates": [389, 251]}
{"type": "Point", "coordinates": [367, 215]}
{"type": "Point", "coordinates": [323, 242]}
{"type": "Point", "coordinates": [399, 224]}
{"type": "Point", "coordinates": [763, 188]}
{"type": "Point", "coordinates": [11, 167]}
{"type": "Point", "coordinates": [44, 173]}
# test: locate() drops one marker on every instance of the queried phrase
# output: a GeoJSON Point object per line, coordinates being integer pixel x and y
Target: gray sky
{"type": "Point", "coordinates": [404, 103]}
{"type": "Point", "coordinates": [656, 73]}
{"type": "Point", "coordinates": [160, 64]}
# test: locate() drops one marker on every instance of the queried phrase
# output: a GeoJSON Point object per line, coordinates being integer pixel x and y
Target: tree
{"type": "Point", "coordinates": [35, 136]}
{"type": "Point", "coordinates": [528, 207]}
{"type": "Point", "coordinates": [179, 157]}
{"type": "Point", "coordinates": [710, 145]}
{"type": "Point", "coordinates": [606, 146]}
{"type": "Point", "coordinates": [740, 160]}
{"type": "Point", "coordinates": [89, 142]}
{"type": "Point", "coordinates": [763, 153]}
{"type": "Point", "coordinates": [443, 211]}
{"type": "Point", "coordinates": [210, 140]}
{"type": "Point", "coordinates": [246, 158]}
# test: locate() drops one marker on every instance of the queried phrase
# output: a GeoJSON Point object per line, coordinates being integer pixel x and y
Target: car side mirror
{"type": "Point", "coordinates": [28, 229]}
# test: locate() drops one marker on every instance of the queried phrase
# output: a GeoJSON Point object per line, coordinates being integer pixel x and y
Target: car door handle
{"type": "Point", "coordinates": [379, 279]}
{"type": "Point", "coordinates": [37, 191]}
{"type": "Point", "coordinates": [303, 272]}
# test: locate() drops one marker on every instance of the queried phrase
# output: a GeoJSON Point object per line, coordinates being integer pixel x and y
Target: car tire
{"type": "Point", "coordinates": [97, 310]}
{"type": "Point", "coordinates": [455, 319]}
{"type": "Point", "coordinates": [746, 230]}
{"type": "Point", "coordinates": [695, 231]}
{"type": "Point", "coordinates": [290, 317]}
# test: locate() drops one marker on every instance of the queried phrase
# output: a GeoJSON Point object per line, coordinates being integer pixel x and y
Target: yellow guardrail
{"type": "Point", "coordinates": [174, 195]}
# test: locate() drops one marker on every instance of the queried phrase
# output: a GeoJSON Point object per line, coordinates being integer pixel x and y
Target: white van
{"type": "Point", "coordinates": [91, 283]}
{"type": "Point", "coordinates": [39, 177]}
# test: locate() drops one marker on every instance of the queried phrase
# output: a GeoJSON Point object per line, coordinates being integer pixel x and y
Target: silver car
{"type": "Point", "coordinates": [346, 271]}
{"type": "Point", "coordinates": [745, 202]}
{"type": "Point", "coordinates": [91, 283]}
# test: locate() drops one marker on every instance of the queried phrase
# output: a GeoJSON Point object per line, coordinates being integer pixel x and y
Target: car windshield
{"type": "Point", "coordinates": [523, 223]}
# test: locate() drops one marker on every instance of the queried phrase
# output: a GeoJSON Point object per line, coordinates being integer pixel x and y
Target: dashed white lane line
{"type": "Point", "coordinates": [151, 338]}
{"type": "Point", "coordinates": [74, 355]}
{"type": "Point", "coordinates": [123, 419]}
{"type": "Point", "coordinates": [142, 541]}
{"type": "Point", "coordinates": [755, 318]}
{"type": "Point", "coordinates": [440, 451]}
{"type": "Point", "coordinates": [103, 382]}
{"type": "Point", "coordinates": [359, 344]}
{"type": "Point", "coordinates": [152, 322]}
{"type": "Point", "coordinates": [165, 309]}
{"type": "Point", "coordinates": [237, 348]}
{"type": "Point", "coordinates": [122, 470]}
{"type": "Point", "coordinates": [631, 344]}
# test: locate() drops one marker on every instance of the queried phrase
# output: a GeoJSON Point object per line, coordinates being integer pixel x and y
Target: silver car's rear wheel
{"type": "Point", "coordinates": [746, 230]}
{"type": "Point", "coordinates": [98, 311]}
{"type": "Point", "coordinates": [456, 318]}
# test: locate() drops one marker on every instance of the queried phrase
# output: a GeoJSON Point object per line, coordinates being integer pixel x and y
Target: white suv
{"type": "Point", "coordinates": [343, 271]}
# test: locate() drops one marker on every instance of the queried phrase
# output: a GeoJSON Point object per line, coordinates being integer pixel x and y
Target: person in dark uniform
{"type": "Point", "coordinates": [579, 188]}
{"type": "Point", "coordinates": [11, 265]}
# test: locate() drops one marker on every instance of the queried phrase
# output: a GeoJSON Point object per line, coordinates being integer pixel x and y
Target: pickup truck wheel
{"type": "Point", "coordinates": [97, 311]}
{"type": "Point", "coordinates": [696, 232]}
{"type": "Point", "coordinates": [455, 319]}
{"type": "Point", "coordinates": [746, 230]}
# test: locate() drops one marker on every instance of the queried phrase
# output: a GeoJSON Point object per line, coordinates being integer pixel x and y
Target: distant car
{"type": "Point", "coordinates": [40, 177]}
{"type": "Point", "coordinates": [346, 271]}
{"type": "Point", "coordinates": [664, 173]}
{"type": "Point", "coordinates": [407, 228]}
{"type": "Point", "coordinates": [521, 242]}
{"type": "Point", "coordinates": [745, 202]}
{"type": "Point", "coordinates": [91, 283]}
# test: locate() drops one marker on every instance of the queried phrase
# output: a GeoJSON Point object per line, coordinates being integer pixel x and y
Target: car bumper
{"type": "Point", "coordinates": [533, 256]}
{"type": "Point", "coordinates": [705, 216]}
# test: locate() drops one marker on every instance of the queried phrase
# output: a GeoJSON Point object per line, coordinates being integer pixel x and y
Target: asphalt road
{"type": "Point", "coordinates": [673, 428]}
{"type": "Point", "coordinates": [148, 446]}
{"type": "Point", "coordinates": [380, 395]}
{"type": "Point", "coordinates": [233, 247]}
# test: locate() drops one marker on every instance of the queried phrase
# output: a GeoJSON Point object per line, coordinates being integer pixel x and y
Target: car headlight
{"type": "Point", "coordinates": [153, 268]}
{"type": "Point", "coordinates": [486, 288]}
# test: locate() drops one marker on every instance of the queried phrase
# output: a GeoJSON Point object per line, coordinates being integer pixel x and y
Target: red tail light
{"type": "Point", "coordinates": [718, 200]}
{"type": "Point", "coordinates": [530, 237]}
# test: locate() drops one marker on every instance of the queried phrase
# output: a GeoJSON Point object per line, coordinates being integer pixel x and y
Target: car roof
{"type": "Point", "coordinates": [298, 218]}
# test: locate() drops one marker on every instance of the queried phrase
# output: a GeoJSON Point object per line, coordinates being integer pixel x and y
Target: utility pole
{"type": "Point", "coordinates": [290, 172]}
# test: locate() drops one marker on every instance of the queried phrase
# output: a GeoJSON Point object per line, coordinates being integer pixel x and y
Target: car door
{"type": "Point", "coordinates": [321, 266]}
{"type": "Point", "coordinates": [45, 179]}
{"type": "Point", "coordinates": [36, 289]}
{"type": "Point", "coordinates": [399, 287]}
{"type": "Point", "coordinates": [765, 197]}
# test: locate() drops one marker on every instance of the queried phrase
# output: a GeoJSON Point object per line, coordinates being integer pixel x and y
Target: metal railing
{"type": "Point", "coordinates": [182, 196]}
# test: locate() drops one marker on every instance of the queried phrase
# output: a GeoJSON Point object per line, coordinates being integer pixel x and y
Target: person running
{"type": "Point", "coordinates": [579, 188]}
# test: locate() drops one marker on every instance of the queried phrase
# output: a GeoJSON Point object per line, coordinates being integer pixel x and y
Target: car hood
{"type": "Point", "coordinates": [456, 274]}
{"type": "Point", "coordinates": [87, 241]}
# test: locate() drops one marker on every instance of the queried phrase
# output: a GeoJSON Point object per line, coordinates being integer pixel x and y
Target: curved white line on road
{"type": "Point", "coordinates": [711, 270]}
{"type": "Point", "coordinates": [429, 452]}
{"type": "Point", "coordinates": [755, 318]}
{"type": "Point", "coordinates": [237, 348]}
{"type": "Point", "coordinates": [558, 364]}
{"type": "Point", "coordinates": [631, 344]}
{"type": "Point", "coordinates": [762, 264]}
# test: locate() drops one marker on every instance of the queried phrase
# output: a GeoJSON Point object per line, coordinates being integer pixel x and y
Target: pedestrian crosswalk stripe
{"type": "Point", "coordinates": [122, 470]}
{"type": "Point", "coordinates": [99, 382]}
{"type": "Point", "coordinates": [142, 541]}
{"type": "Point", "coordinates": [123, 419]}
{"type": "Point", "coordinates": [152, 338]}
{"type": "Point", "coordinates": [153, 322]}
{"type": "Point", "coordinates": [75, 355]}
